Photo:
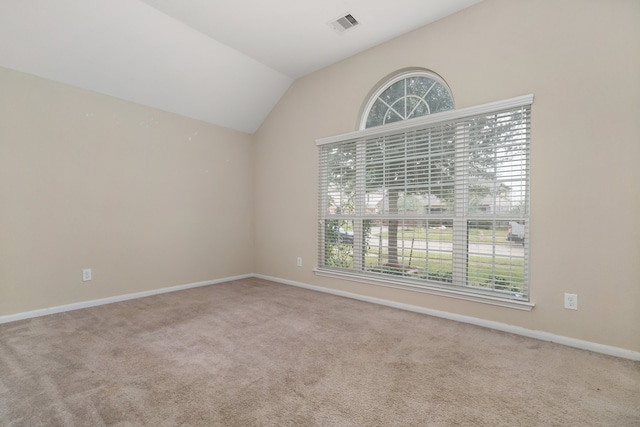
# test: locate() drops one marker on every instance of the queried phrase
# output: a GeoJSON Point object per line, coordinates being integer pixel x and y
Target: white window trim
{"type": "Point", "coordinates": [408, 125]}
{"type": "Point", "coordinates": [428, 289]}
{"type": "Point", "coordinates": [411, 124]}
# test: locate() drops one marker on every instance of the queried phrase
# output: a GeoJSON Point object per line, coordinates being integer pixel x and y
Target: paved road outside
{"type": "Point", "coordinates": [512, 250]}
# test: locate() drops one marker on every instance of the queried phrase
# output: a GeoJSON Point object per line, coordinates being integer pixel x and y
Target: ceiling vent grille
{"type": "Point", "coordinates": [344, 23]}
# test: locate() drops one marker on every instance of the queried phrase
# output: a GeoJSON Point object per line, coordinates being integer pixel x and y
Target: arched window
{"type": "Point", "coordinates": [407, 95]}
{"type": "Point", "coordinates": [437, 203]}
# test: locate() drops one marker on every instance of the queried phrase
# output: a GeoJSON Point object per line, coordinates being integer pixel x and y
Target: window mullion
{"type": "Point", "coordinates": [405, 100]}
{"type": "Point", "coordinates": [461, 200]}
{"type": "Point", "coordinates": [323, 204]}
{"type": "Point", "coordinates": [360, 206]}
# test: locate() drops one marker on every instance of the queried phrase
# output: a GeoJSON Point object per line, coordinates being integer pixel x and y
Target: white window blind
{"type": "Point", "coordinates": [440, 201]}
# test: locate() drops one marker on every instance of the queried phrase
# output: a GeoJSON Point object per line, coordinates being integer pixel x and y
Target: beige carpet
{"type": "Point", "coordinates": [255, 353]}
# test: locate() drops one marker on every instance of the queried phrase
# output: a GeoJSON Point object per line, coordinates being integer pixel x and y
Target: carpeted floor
{"type": "Point", "coordinates": [256, 353]}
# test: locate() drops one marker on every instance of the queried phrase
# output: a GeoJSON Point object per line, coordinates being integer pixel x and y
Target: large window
{"type": "Point", "coordinates": [437, 203]}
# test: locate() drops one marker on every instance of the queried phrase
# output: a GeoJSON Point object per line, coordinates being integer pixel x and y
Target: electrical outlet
{"type": "Point", "coordinates": [299, 261]}
{"type": "Point", "coordinates": [86, 274]}
{"type": "Point", "coordinates": [571, 301]}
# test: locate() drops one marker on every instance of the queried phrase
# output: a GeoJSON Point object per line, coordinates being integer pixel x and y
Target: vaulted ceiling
{"type": "Point", "coordinates": [226, 62]}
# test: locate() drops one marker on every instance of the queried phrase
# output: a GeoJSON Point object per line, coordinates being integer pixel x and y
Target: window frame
{"type": "Point", "coordinates": [392, 81]}
{"type": "Point", "coordinates": [454, 291]}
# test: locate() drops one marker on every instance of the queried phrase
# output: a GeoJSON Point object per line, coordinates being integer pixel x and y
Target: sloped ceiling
{"type": "Point", "coordinates": [224, 62]}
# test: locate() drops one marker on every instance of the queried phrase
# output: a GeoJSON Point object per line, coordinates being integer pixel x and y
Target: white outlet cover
{"type": "Point", "coordinates": [571, 301]}
{"type": "Point", "coordinates": [86, 274]}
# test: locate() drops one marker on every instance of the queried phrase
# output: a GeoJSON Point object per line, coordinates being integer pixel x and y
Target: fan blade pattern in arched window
{"type": "Point", "coordinates": [408, 96]}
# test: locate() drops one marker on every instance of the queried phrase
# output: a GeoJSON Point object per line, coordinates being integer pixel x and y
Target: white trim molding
{"type": "Point", "coordinates": [117, 298]}
{"type": "Point", "coordinates": [407, 125]}
{"type": "Point", "coordinates": [504, 327]}
{"type": "Point", "coordinates": [433, 290]}
{"type": "Point", "coordinates": [540, 335]}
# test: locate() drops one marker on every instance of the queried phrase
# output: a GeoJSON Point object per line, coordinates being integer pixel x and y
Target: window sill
{"type": "Point", "coordinates": [432, 290]}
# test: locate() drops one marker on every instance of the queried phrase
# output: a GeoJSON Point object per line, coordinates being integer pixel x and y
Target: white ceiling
{"type": "Point", "coordinates": [226, 62]}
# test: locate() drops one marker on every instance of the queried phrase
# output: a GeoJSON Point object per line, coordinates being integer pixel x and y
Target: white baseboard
{"type": "Point", "coordinates": [109, 300]}
{"type": "Point", "coordinates": [504, 327]}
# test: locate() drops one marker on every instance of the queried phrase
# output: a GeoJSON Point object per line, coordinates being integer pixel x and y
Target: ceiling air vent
{"type": "Point", "coordinates": [343, 23]}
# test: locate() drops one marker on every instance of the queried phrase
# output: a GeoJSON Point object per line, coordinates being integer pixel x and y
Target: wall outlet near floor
{"type": "Point", "coordinates": [299, 261]}
{"type": "Point", "coordinates": [86, 274]}
{"type": "Point", "coordinates": [571, 301]}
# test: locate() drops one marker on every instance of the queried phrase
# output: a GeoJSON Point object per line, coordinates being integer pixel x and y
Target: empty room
{"type": "Point", "coordinates": [320, 213]}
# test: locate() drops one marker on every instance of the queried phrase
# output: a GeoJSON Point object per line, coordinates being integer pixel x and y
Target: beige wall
{"type": "Point", "coordinates": [144, 198]}
{"type": "Point", "coordinates": [581, 60]}
{"type": "Point", "coordinates": [148, 199]}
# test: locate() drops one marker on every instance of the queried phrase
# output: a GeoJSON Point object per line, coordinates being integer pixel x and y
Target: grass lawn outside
{"type": "Point", "coordinates": [482, 271]}
{"type": "Point", "coordinates": [475, 235]}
